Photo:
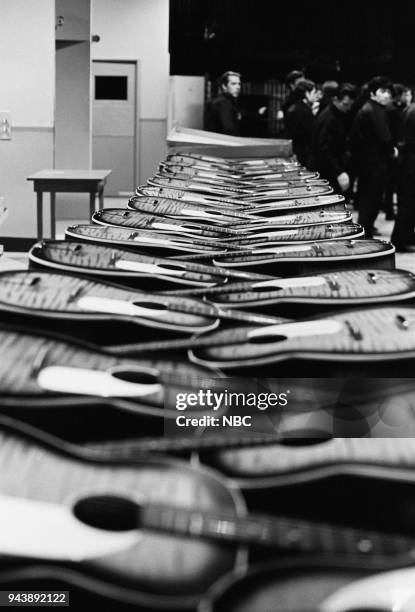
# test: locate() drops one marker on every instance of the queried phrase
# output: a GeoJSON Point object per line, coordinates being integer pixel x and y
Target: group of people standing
{"type": "Point", "coordinates": [368, 135]}
{"type": "Point", "coordinates": [345, 134]}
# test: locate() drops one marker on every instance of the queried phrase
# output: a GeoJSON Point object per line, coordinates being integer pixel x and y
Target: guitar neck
{"type": "Point", "coordinates": [280, 532]}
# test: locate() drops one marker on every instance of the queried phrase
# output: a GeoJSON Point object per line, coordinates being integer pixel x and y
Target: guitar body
{"type": "Point", "coordinates": [292, 586]}
{"type": "Point", "coordinates": [241, 222]}
{"type": "Point", "coordinates": [271, 183]}
{"type": "Point", "coordinates": [120, 217]}
{"type": "Point", "coordinates": [335, 213]}
{"type": "Point", "coordinates": [299, 203]}
{"type": "Point", "coordinates": [250, 195]}
{"type": "Point", "coordinates": [126, 266]}
{"type": "Point", "coordinates": [306, 259]}
{"type": "Point", "coordinates": [202, 176]}
{"type": "Point", "coordinates": [177, 209]}
{"type": "Point", "coordinates": [288, 193]}
{"type": "Point", "coordinates": [143, 568]}
{"type": "Point", "coordinates": [151, 242]}
{"type": "Point", "coordinates": [190, 169]}
{"type": "Point", "coordinates": [233, 164]}
{"type": "Point", "coordinates": [312, 449]}
{"type": "Point", "coordinates": [276, 236]}
{"type": "Point", "coordinates": [371, 340]}
{"type": "Point", "coordinates": [177, 193]}
{"type": "Point", "coordinates": [189, 184]}
{"type": "Point", "coordinates": [194, 249]}
{"type": "Point", "coordinates": [306, 295]}
{"type": "Point", "coordinates": [80, 392]}
{"type": "Point", "coordinates": [107, 314]}
{"type": "Point", "coordinates": [99, 312]}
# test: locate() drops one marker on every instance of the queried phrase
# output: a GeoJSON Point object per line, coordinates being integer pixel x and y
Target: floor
{"type": "Point", "coordinates": [404, 261]}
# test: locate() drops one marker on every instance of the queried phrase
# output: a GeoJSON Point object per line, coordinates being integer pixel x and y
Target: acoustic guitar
{"type": "Point", "coordinates": [105, 523]}
{"type": "Point", "coordinates": [315, 454]}
{"type": "Point", "coordinates": [311, 584]}
{"type": "Point", "coordinates": [128, 267]}
{"type": "Point", "coordinates": [169, 245]}
{"type": "Point", "coordinates": [267, 184]}
{"type": "Point", "coordinates": [289, 174]}
{"type": "Point", "coordinates": [290, 260]}
{"type": "Point", "coordinates": [191, 196]}
{"type": "Point", "coordinates": [121, 217]}
{"type": "Point", "coordinates": [197, 169]}
{"type": "Point", "coordinates": [146, 241]}
{"type": "Point", "coordinates": [392, 591]}
{"type": "Point", "coordinates": [233, 164]}
{"type": "Point", "coordinates": [335, 213]}
{"type": "Point", "coordinates": [222, 170]}
{"type": "Point", "coordinates": [109, 530]}
{"type": "Point", "coordinates": [189, 184]}
{"type": "Point", "coordinates": [230, 166]}
{"type": "Point", "coordinates": [176, 209]}
{"type": "Point", "coordinates": [106, 313]}
{"type": "Point", "coordinates": [299, 235]}
{"type": "Point", "coordinates": [326, 289]}
{"type": "Point", "coordinates": [249, 195]}
{"type": "Point", "coordinates": [201, 175]}
{"type": "Point", "coordinates": [81, 392]}
{"type": "Point", "coordinates": [272, 208]}
{"type": "Point", "coordinates": [383, 333]}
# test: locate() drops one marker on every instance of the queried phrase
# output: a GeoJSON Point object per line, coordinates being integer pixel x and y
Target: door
{"type": "Point", "coordinates": [114, 118]}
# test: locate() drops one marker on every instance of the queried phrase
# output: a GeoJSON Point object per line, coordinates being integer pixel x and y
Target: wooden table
{"type": "Point", "coordinates": [68, 181]}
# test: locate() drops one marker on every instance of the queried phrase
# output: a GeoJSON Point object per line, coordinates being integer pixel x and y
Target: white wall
{"type": "Point", "coordinates": [27, 61]}
{"type": "Point", "coordinates": [186, 102]}
{"type": "Point", "coordinates": [139, 30]}
{"type": "Point", "coordinates": [27, 77]}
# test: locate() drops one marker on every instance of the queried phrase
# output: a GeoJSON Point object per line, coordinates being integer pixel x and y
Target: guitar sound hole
{"type": "Point", "coordinates": [264, 289]}
{"type": "Point", "coordinates": [151, 305]}
{"type": "Point", "coordinates": [172, 267]}
{"type": "Point", "coordinates": [267, 339]}
{"type": "Point", "coordinates": [107, 512]}
{"type": "Point", "coordinates": [136, 376]}
{"type": "Point", "coordinates": [307, 437]}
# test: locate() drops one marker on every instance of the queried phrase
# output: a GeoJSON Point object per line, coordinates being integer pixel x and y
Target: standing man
{"type": "Point", "coordinates": [299, 120]}
{"type": "Point", "coordinates": [372, 148]}
{"type": "Point", "coordinates": [394, 112]}
{"type": "Point", "coordinates": [403, 232]}
{"type": "Point", "coordinates": [223, 113]}
{"type": "Point", "coordinates": [330, 143]}
{"type": "Point", "coordinates": [291, 80]}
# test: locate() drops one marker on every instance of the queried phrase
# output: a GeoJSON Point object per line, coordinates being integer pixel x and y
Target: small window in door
{"type": "Point", "coordinates": [110, 87]}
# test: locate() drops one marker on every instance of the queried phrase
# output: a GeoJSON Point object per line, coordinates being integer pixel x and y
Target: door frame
{"type": "Point", "coordinates": [137, 114]}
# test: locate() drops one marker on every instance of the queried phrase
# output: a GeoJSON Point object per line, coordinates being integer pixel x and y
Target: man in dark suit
{"type": "Point", "coordinates": [291, 80]}
{"type": "Point", "coordinates": [330, 143]}
{"type": "Point", "coordinates": [403, 232]}
{"type": "Point", "coordinates": [223, 113]}
{"type": "Point", "coordinates": [372, 149]}
{"type": "Point", "coordinates": [299, 120]}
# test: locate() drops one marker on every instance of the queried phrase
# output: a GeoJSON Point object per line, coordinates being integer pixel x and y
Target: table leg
{"type": "Point", "coordinates": [39, 202]}
{"type": "Point", "coordinates": [53, 215]}
{"type": "Point", "coordinates": [91, 204]}
{"type": "Point", "coordinates": [101, 197]}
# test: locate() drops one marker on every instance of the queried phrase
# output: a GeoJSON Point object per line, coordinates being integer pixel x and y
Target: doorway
{"type": "Point", "coordinates": [114, 124]}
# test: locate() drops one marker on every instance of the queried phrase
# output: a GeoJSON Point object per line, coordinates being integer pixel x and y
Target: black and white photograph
{"type": "Point", "coordinates": [207, 305]}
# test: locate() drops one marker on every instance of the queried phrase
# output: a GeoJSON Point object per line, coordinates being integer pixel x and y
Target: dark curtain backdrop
{"type": "Point", "coordinates": [264, 39]}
